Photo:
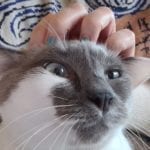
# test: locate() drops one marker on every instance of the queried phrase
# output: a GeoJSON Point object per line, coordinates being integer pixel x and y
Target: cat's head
{"type": "Point", "coordinates": [83, 82]}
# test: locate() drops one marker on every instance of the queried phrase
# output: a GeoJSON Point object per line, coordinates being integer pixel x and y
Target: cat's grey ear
{"type": "Point", "coordinates": [139, 69]}
{"type": "Point", "coordinates": [8, 58]}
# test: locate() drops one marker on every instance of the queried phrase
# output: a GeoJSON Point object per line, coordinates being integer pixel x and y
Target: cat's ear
{"type": "Point", "coordinates": [139, 69]}
{"type": "Point", "coordinates": [8, 58]}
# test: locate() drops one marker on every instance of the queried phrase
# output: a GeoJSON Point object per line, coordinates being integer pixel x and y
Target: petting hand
{"type": "Point", "coordinates": [74, 22]}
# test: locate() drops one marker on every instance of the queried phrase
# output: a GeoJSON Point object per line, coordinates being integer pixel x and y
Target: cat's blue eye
{"type": "Point", "coordinates": [114, 74]}
{"type": "Point", "coordinates": [57, 69]}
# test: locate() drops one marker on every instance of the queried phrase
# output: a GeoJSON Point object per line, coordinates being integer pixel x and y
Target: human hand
{"type": "Point", "coordinates": [74, 22]}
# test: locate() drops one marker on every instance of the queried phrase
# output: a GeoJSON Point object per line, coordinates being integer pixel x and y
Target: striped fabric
{"type": "Point", "coordinates": [120, 7]}
{"type": "Point", "coordinates": [18, 17]}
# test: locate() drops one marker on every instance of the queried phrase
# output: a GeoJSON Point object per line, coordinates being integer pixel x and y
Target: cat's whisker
{"type": "Point", "coordinates": [14, 141]}
{"type": "Point", "coordinates": [51, 28]}
{"type": "Point", "coordinates": [78, 142]}
{"type": "Point", "coordinates": [24, 134]}
{"type": "Point", "coordinates": [51, 133]}
{"type": "Point", "coordinates": [67, 135]}
{"type": "Point", "coordinates": [140, 139]}
{"type": "Point", "coordinates": [139, 136]}
{"type": "Point", "coordinates": [60, 98]}
{"type": "Point", "coordinates": [59, 134]}
{"type": "Point", "coordinates": [132, 138]}
{"type": "Point", "coordinates": [37, 111]}
{"type": "Point", "coordinates": [141, 129]}
{"type": "Point", "coordinates": [25, 142]}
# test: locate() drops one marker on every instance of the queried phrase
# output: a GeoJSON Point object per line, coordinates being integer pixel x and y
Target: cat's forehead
{"type": "Point", "coordinates": [79, 52]}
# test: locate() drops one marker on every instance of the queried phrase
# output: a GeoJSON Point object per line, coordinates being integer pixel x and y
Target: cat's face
{"type": "Point", "coordinates": [84, 84]}
{"type": "Point", "coordinates": [97, 86]}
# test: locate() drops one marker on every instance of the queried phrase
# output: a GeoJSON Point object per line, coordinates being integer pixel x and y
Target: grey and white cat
{"type": "Point", "coordinates": [73, 96]}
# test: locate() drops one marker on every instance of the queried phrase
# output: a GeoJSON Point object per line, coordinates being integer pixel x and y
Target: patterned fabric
{"type": "Point", "coordinates": [120, 7]}
{"type": "Point", "coordinates": [18, 17]}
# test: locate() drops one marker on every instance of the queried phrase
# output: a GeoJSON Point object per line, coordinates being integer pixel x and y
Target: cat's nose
{"type": "Point", "coordinates": [102, 100]}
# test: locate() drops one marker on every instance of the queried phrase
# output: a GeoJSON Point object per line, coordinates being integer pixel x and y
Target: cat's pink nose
{"type": "Point", "coordinates": [102, 100]}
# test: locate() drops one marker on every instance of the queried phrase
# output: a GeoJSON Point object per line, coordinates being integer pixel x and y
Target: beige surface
{"type": "Point", "coordinates": [139, 23]}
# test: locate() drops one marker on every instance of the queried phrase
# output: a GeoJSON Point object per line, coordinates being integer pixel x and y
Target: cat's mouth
{"type": "Point", "coordinates": [93, 125]}
{"type": "Point", "coordinates": [96, 126]}
{"type": "Point", "coordinates": [93, 133]}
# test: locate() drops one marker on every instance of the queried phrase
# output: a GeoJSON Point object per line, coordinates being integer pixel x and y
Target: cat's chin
{"type": "Point", "coordinates": [98, 128]}
{"type": "Point", "coordinates": [108, 141]}
{"type": "Point", "coordinates": [90, 134]}
{"type": "Point", "coordinates": [95, 134]}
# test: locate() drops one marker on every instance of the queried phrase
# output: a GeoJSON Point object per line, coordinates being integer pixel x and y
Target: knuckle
{"type": "Point", "coordinates": [107, 10]}
{"type": "Point", "coordinates": [78, 7]}
{"type": "Point", "coordinates": [130, 33]}
{"type": "Point", "coordinates": [81, 7]}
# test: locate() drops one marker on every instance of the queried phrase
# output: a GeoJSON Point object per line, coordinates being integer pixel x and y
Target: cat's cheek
{"type": "Point", "coordinates": [29, 105]}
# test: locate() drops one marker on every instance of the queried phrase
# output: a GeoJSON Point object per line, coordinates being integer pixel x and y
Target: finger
{"type": "Point", "coordinates": [99, 20]}
{"type": "Point", "coordinates": [74, 33]}
{"type": "Point", "coordinates": [122, 42]}
{"type": "Point", "coordinates": [57, 25]}
{"type": "Point", "coordinates": [104, 34]}
{"type": "Point", "coordinates": [38, 35]}
{"type": "Point", "coordinates": [66, 19]}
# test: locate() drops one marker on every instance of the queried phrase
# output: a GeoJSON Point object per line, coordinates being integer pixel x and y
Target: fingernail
{"type": "Point", "coordinates": [84, 39]}
{"type": "Point", "coordinates": [51, 40]}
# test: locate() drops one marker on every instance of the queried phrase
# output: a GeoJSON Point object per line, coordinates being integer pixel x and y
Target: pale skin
{"type": "Point", "coordinates": [75, 22]}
